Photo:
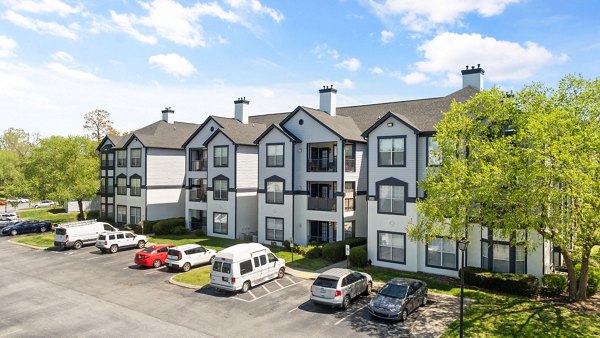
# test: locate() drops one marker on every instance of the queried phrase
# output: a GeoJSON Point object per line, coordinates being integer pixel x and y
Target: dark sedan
{"type": "Point", "coordinates": [28, 226]}
{"type": "Point", "coordinates": [397, 298]}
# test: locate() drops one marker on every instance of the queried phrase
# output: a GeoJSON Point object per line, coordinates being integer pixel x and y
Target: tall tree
{"type": "Point", "coordinates": [528, 163]}
{"type": "Point", "coordinates": [11, 174]}
{"type": "Point", "coordinates": [98, 123]}
{"type": "Point", "coordinates": [18, 141]}
{"type": "Point", "coordinates": [64, 168]}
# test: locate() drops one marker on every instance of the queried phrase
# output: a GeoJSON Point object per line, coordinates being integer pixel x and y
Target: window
{"type": "Point", "coordinates": [121, 214]}
{"type": "Point", "coordinates": [110, 211]}
{"type": "Point", "coordinates": [498, 255]}
{"type": "Point", "coordinates": [391, 199]}
{"type": "Point", "coordinates": [198, 189]}
{"type": "Point", "coordinates": [221, 156]}
{"type": "Point", "coordinates": [245, 267]}
{"type": "Point", "coordinates": [198, 159]}
{"type": "Point", "coordinates": [349, 196]}
{"type": "Point", "coordinates": [220, 187]}
{"type": "Point", "coordinates": [136, 215]}
{"type": "Point", "coordinates": [442, 253]}
{"type": "Point", "coordinates": [263, 260]}
{"type": "Point", "coordinates": [136, 157]}
{"type": "Point", "coordinates": [434, 157]}
{"type": "Point", "coordinates": [120, 236]}
{"type": "Point", "coordinates": [275, 155]}
{"type": "Point", "coordinates": [391, 247]}
{"type": "Point", "coordinates": [121, 185]}
{"type": "Point", "coordinates": [256, 262]}
{"type": "Point", "coordinates": [110, 185]}
{"type": "Point", "coordinates": [220, 223]}
{"type": "Point", "coordinates": [501, 260]}
{"type": "Point", "coordinates": [348, 229]}
{"type": "Point", "coordinates": [136, 186]}
{"type": "Point", "coordinates": [121, 158]}
{"type": "Point", "coordinates": [350, 157]}
{"type": "Point", "coordinates": [274, 229]}
{"type": "Point", "coordinates": [391, 151]}
{"type": "Point", "coordinates": [274, 192]}
{"type": "Point", "coordinates": [520, 254]}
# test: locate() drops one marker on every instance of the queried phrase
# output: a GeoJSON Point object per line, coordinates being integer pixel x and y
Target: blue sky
{"type": "Point", "coordinates": [60, 59]}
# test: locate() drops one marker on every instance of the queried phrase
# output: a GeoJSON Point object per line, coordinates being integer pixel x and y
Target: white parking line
{"type": "Point", "coordinates": [5, 334]}
{"type": "Point", "coordinates": [264, 287]}
{"type": "Point", "coordinates": [276, 282]}
{"type": "Point", "coordinates": [341, 320]}
{"type": "Point", "coordinates": [92, 258]}
{"type": "Point", "coordinates": [294, 309]}
{"type": "Point", "coordinates": [256, 298]}
{"type": "Point", "coordinates": [151, 272]}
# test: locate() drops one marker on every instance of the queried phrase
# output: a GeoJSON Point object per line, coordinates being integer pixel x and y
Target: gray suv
{"type": "Point", "coordinates": [337, 287]}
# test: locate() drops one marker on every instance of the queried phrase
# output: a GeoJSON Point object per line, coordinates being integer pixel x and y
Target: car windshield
{"type": "Point", "coordinates": [393, 290]}
{"type": "Point", "coordinates": [148, 250]}
{"type": "Point", "coordinates": [326, 282]}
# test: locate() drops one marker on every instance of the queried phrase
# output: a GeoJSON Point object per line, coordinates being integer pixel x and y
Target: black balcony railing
{"type": "Point", "coordinates": [198, 195]}
{"type": "Point", "coordinates": [199, 165]}
{"type": "Point", "coordinates": [350, 165]}
{"type": "Point", "coordinates": [322, 164]}
{"type": "Point", "coordinates": [322, 204]}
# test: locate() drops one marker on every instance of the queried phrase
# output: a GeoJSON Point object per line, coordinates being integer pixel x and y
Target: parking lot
{"type": "Point", "coordinates": [86, 293]}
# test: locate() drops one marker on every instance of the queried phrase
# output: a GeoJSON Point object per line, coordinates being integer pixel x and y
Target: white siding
{"type": "Point", "coordinates": [165, 203]}
{"type": "Point", "coordinates": [246, 167]}
{"type": "Point", "coordinates": [165, 167]}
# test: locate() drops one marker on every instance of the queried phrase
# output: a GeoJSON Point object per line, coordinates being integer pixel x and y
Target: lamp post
{"type": "Point", "coordinates": [462, 245]}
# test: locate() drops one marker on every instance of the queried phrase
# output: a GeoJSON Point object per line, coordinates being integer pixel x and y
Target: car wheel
{"type": "Point", "coordinates": [281, 273]}
{"type": "Point", "coordinates": [13, 232]}
{"type": "Point", "coordinates": [43, 229]}
{"type": "Point", "coordinates": [245, 287]}
{"type": "Point", "coordinates": [156, 263]}
{"type": "Point", "coordinates": [114, 248]}
{"type": "Point", "coordinates": [424, 303]}
{"type": "Point", "coordinates": [212, 259]}
{"type": "Point", "coordinates": [186, 267]}
{"type": "Point", "coordinates": [346, 302]}
{"type": "Point", "coordinates": [77, 245]}
{"type": "Point", "coordinates": [368, 289]}
{"type": "Point", "coordinates": [141, 244]}
{"type": "Point", "coordinates": [404, 315]}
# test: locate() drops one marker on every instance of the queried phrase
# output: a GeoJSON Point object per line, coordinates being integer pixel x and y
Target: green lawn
{"type": "Point", "coordinates": [42, 240]}
{"type": "Point", "coordinates": [199, 276]}
{"type": "Point", "coordinates": [215, 243]}
{"type": "Point", "coordinates": [54, 215]}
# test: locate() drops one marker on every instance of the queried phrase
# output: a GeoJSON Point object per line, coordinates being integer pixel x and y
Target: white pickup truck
{"type": "Point", "coordinates": [113, 241]}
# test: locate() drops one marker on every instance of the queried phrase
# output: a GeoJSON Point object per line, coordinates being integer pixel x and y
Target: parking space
{"type": "Point", "coordinates": [257, 292]}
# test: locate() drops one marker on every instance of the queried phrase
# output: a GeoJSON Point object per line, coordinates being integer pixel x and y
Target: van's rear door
{"type": "Point", "coordinates": [60, 235]}
{"type": "Point", "coordinates": [221, 273]}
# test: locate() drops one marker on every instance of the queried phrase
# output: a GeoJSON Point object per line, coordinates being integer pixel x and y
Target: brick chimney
{"type": "Point", "coordinates": [167, 115]}
{"type": "Point", "coordinates": [473, 77]}
{"type": "Point", "coordinates": [328, 99]}
{"type": "Point", "coordinates": [242, 109]}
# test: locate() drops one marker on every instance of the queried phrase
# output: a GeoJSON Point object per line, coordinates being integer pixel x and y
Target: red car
{"type": "Point", "coordinates": [153, 255]}
{"type": "Point", "coordinates": [2, 202]}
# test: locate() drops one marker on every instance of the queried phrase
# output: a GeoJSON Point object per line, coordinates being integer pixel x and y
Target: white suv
{"type": "Point", "coordinates": [185, 256]}
{"type": "Point", "coordinates": [113, 241]}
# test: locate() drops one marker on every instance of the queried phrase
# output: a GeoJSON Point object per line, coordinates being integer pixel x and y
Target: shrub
{"type": "Point", "coordinates": [512, 283]}
{"type": "Point", "coordinates": [300, 249]}
{"type": "Point", "coordinates": [93, 214]}
{"type": "Point", "coordinates": [336, 251]}
{"type": "Point", "coordinates": [593, 283]}
{"type": "Point", "coordinates": [286, 244]}
{"type": "Point", "coordinates": [199, 233]}
{"type": "Point", "coordinates": [358, 256]}
{"type": "Point", "coordinates": [314, 252]}
{"type": "Point", "coordinates": [148, 226]}
{"type": "Point", "coordinates": [555, 284]}
{"type": "Point", "coordinates": [165, 226]}
{"type": "Point", "coordinates": [178, 230]}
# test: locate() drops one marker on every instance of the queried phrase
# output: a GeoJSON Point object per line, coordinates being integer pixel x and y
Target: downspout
{"type": "Point", "coordinates": [293, 192]}
{"type": "Point", "coordinates": [146, 184]}
{"type": "Point", "coordinates": [343, 186]}
{"type": "Point", "coordinates": [235, 148]}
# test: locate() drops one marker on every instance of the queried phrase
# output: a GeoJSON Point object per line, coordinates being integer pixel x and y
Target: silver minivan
{"type": "Point", "coordinates": [337, 287]}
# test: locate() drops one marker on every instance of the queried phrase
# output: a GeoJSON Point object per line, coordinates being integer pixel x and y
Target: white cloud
{"type": "Point", "coordinates": [62, 56]}
{"type": "Point", "coordinates": [376, 70]}
{"type": "Point", "coordinates": [414, 78]}
{"type": "Point", "coordinates": [256, 7]}
{"type": "Point", "coordinates": [352, 64]}
{"type": "Point", "coordinates": [63, 70]}
{"type": "Point", "coordinates": [43, 7]}
{"type": "Point", "coordinates": [386, 36]}
{"type": "Point", "coordinates": [124, 23]}
{"type": "Point", "coordinates": [7, 46]}
{"type": "Point", "coordinates": [421, 16]}
{"type": "Point", "coordinates": [267, 93]}
{"type": "Point", "coordinates": [503, 60]}
{"type": "Point", "coordinates": [173, 64]}
{"type": "Point", "coordinates": [43, 27]}
{"type": "Point", "coordinates": [344, 84]}
{"type": "Point", "coordinates": [322, 50]}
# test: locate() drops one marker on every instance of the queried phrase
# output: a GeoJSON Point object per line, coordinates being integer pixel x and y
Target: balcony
{"type": "Point", "coordinates": [349, 204]}
{"type": "Point", "coordinates": [107, 164]}
{"type": "Point", "coordinates": [199, 165]}
{"type": "Point", "coordinates": [322, 203]}
{"type": "Point", "coordinates": [350, 165]}
{"type": "Point", "coordinates": [198, 195]}
{"type": "Point", "coordinates": [322, 165]}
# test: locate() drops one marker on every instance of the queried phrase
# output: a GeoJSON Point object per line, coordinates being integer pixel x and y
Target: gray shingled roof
{"type": "Point", "coordinates": [344, 126]}
{"type": "Point", "coordinates": [239, 132]}
{"type": "Point", "coordinates": [161, 134]}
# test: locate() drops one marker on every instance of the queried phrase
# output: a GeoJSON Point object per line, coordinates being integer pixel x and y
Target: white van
{"type": "Point", "coordinates": [242, 266]}
{"type": "Point", "coordinates": [77, 234]}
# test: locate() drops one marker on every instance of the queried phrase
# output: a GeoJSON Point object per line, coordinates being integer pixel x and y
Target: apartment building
{"type": "Point", "coordinates": [142, 173]}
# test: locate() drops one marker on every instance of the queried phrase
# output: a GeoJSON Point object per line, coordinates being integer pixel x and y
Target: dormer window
{"type": "Point", "coordinates": [275, 155]}
{"type": "Point", "coordinates": [391, 151]}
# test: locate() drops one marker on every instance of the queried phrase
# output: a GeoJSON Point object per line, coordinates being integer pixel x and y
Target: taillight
{"type": "Point", "coordinates": [338, 293]}
{"type": "Point", "coordinates": [105, 242]}
{"type": "Point", "coordinates": [179, 256]}
{"type": "Point", "coordinates": [233, 279]}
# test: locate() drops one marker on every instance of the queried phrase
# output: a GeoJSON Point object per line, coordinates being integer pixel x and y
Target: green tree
{"type": "Point", "coordinates": [528, 163]}
{"type": "Point", "coordinates": [17, 141]}
{"type": "Point", "coordinates": [64, 168]}
{"type": "Point", "coordinates": [98, 123]}
{"type": "Point", "coordinates": [11, 174]}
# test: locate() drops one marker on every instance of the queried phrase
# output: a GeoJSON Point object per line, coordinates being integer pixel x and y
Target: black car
{"type": "Point", "coordinates": [28, 226]}
{"type": "Point", "coordinates": [397, 298]}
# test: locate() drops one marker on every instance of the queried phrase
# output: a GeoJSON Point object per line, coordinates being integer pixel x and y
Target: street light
{"type": "Point", "coordinates": [462, 245]}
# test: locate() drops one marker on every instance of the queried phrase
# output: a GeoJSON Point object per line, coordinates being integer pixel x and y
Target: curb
{"type": "Point", "coordinates": [29, 245]}
{"type": "Point", "coordinates": [184, 285]}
